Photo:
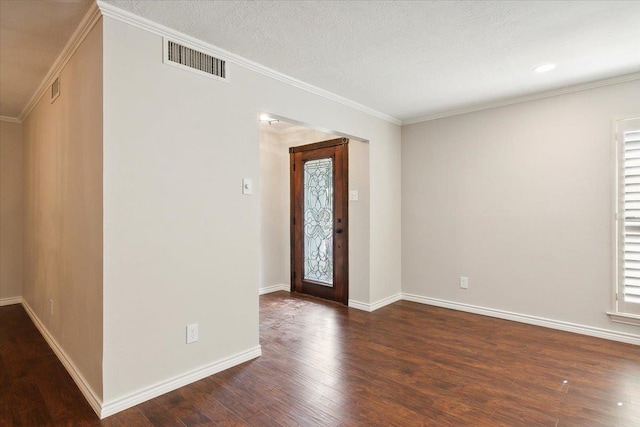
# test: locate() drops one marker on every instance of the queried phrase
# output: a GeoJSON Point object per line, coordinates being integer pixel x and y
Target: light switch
{"type": "Point", "coordinates": [353, 195]}
{"type": "Point", "coordinates": [247, 186]}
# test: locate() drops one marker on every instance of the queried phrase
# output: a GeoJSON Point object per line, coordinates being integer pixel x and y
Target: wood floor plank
{"type": "Point", "coordinates": [130, 418]}
{"type": "Point", "coordinates": [159, 415]}
{"type": "Point", "coordinates": [37, 416]}
{"type": "Point", "coordinates": [214, 397]}
{"type": "Point", "coordinates": [324, 364]}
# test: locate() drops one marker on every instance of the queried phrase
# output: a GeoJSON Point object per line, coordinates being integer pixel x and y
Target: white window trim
{"type": "Point", "coordinates": [626, 318]}
{"type": "Point", "coordinates": [620, 313]}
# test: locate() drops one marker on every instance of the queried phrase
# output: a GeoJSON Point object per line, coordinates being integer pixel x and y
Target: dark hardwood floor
{"type": "Point", "coordinates": [324, 364]}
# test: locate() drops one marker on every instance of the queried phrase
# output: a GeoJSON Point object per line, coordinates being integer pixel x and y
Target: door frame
{"type": "Point", "coordinates": [341, 264]}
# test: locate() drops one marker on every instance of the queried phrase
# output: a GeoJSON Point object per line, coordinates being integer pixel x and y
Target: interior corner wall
{"type": "Point", "coordinates": [11, 211]}
{"type": "Point", "coordinates": [520, 200]}
{"type": "Point", "coordinates": [62, 144]}
{"type": "Point", "coordinates": [181, 241]}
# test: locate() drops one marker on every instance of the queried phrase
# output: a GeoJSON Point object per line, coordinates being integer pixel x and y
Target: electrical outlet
{"type": "Point", "coordinates": [192, 333]}
{"type": "Point", "coordinates": [51, 306]}
{"type": "Point", "coordinates": [464, 282]}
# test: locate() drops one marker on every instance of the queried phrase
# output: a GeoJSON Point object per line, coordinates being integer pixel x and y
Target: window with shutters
{"type": "Point", "coordinates": [627, 292]}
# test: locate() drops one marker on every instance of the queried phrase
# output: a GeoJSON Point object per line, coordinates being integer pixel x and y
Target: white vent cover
{"type": "Point", "coordinates": [55, 89]}
{"type": "Point", "coordinates": [192, 60]}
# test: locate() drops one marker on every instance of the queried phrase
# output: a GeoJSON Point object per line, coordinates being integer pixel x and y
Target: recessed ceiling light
{"type": "Point", "coordinates": [544, 68]}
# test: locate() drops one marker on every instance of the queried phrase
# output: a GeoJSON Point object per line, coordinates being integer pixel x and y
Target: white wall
{"type": "Point", "coordinates": [181, 241]}
{"type": "Point", "coordinates": [274, 235]}
{"type": "Point", "coordinates": [275, 257]}
{"type": "Point", "coordinates": [11, 211]}
{"type": "Point", "coordinates": [519, 199]}
{"type": "Point", "coordinates": [62, 144]}
{"type": "Point", "coordinates": [385, 206]}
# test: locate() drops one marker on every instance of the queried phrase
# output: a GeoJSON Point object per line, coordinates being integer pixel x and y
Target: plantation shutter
{"type": "Point", "coordinates": [632, 217]}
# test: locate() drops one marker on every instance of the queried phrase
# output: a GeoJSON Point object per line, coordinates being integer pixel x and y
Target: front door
{"type": "Point", "coordinates": [319, 219]}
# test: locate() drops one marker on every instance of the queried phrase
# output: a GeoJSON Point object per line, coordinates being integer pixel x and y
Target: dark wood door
{"type": "Point", "coordinates": [319, 219]}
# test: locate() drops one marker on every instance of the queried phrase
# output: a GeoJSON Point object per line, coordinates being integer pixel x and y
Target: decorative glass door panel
{"type": "Point", "coordinates": [318, 221]}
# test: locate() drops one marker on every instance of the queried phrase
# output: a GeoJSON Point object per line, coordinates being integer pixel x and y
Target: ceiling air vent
{"type": "Point", "coordinates": [192, 60]}
{"type": "Point", "coordinates": [55, 89]}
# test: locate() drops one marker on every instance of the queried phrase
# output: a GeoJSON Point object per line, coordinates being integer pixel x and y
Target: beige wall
{"type": "Point", "coordinates": [63, 211]}
{"type": "Point", "coordinates": [519, 199]}
{"type": "Point", "coordinates": [359, 223]}
{"type": "Point", "coordinates": [11, 211]}
{"type": "Point", "coordinates": [181, 241]}
{"type": "Point", "coordinates": [275, 259]}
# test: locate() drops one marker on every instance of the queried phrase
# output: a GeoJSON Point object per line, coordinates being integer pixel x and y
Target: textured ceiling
{"type": "Point", "coordinates": [405, 59]}
{"type": "Point", "coordinates": [411, 59]}
{"type": "Point", "coordinates": [32, 35]}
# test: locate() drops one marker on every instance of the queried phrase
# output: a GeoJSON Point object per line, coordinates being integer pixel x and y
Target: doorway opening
{"type": "Point", "coordinates": [275, 273]}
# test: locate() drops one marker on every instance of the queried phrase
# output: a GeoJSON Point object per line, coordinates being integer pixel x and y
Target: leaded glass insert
{"type": "Point", "coordinates": [318, 221]}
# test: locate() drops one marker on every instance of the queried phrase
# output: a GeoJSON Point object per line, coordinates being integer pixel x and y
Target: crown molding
{"type": "Point", "coordinates": [88, 21]}
{"type": "Point", "coordinates": [100, 8]}
{"type": "Point", "coordinates": [540, 95]}
{"type": "Point", "coordinates": [10, 119]}
{"type": "Point", "coordinates": [161, 30]}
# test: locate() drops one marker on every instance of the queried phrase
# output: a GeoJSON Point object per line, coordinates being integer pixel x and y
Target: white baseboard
{"type": "Point", "coordinates": [524, 318]}
{"type": "Point", "coordinates": [85, 388]}
{"type": "Point", "coordinates": [104, 410]}
{"type": "Point", "coordinates": [376, 305]}
{"type": "Point", "coordinates": [359, 305]}
{"type": "Point", "coordinates": [156, 390]}
{"type": "Point", "coordinates": [10, 301]}
{"type": "Point", "coordinates": [273, 288]}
